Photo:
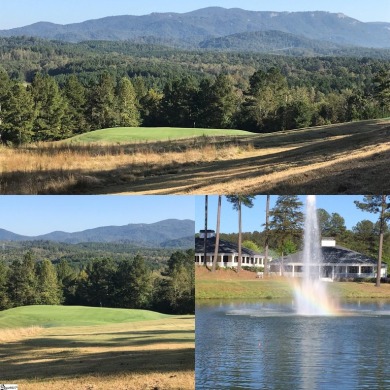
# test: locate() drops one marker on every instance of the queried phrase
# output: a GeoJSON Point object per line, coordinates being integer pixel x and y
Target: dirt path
{"type": "Point", "coordinates": [352, 158]}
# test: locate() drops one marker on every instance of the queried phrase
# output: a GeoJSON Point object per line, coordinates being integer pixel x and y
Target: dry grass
{"type": "Point", "coordinates": [147, 355]}
{"type": "Point", "coordinates": [58, 168]}
{"type": "Point", "coordinates": [347, 158]}
{"type": "Point", "coordinates": [135, 381]}
{"type": "Point", "coordinates": [8, 335]}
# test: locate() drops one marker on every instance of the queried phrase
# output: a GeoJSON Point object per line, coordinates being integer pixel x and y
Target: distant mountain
{"type": "Point", "coordinates": [271, 41]}
{"type": "Point", "coordinates": [168, 233]}
{"type": "Point", "coordinates": [192, 28]}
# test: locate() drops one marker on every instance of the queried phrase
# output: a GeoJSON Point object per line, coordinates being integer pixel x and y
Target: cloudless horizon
{"type": "Point", "coordinates": [254, 218]}
{"type": "Point", "coordinates": [36, 215]}
{"type": "Point", "coordinates": [19, 13]}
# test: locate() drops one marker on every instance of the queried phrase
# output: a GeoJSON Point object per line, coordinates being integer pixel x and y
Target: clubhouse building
{"type": "Point", "coordinates": [227, 253]}
{"type": "Point", "coordinates": [337, 263]}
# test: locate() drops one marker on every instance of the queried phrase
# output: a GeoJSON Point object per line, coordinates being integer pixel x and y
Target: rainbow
{"type": "Point", "coordinates": [311, 299]}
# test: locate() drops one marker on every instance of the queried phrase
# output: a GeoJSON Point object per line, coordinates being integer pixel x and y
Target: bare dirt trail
{"type": "Point", "coordinates": [351, 158]}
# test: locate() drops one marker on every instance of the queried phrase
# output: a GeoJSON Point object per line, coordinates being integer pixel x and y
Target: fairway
{"type": "Point", "coordinates": [139, 134]}
{"type": "Point", "coordinates": [56, 347]}
{"type": "Point", "coordinates": [50, 316]}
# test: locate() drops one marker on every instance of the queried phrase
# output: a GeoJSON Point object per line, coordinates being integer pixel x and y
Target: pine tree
{"type": "Point", "coordinates": [19, 116]}
{"type": "Point", "coordinates": [128, 113]}
{"type": "Point", "coordinates": [22, 283]}
{"type": "Point", "coordinates": [219, 103]}
{"type": "Point", "coordinates": [74, 117]}
{"type": "Point", "coordinates": [49, 290]}
{"type": "Point", "coordinates": [4, 301]}
{"type": "Point", "coordinates": [237, 202]}
{"type": "Point", "coordinates": [286, 222]}
{"type": "Point", "coordinates": [101, 103]}
{"type": "Point", "coordinates": [377, 204]}
{"type": "Point", "coordinates": [50, 107]}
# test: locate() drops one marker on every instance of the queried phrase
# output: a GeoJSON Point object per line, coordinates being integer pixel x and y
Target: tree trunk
{"type": "Point", "coordinates": [381, 229]}
{"type": "Point", "coordinates": [239, 237]}
{"type": "Point", "coordinates": [266, 236]}
{"type": "Point", "coordinates": [216, 250]}
{"type": "Point", "coordinates": [205, 230]}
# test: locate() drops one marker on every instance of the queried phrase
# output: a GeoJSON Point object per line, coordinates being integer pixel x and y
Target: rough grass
{"type": "Point", "coordinates": [63, 168]}
{"type": "Point", "coordinates": [348, 158]}
{"type": "Point", "coordinates": [134, 134]}
{"type": "Point", "coordinates": [151, 354]}
{"type": "Point", "coordinates": [229, 284]}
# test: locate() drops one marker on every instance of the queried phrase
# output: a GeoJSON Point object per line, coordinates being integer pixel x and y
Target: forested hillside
{"type": "Point", "coordinates": [53, 90]}
{"type": "Point", "coordinates": [191, 28]}
{"type": "Point", "coordinates": [109, 282]}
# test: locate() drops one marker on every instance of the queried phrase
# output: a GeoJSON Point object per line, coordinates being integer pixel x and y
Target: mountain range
{"type": "Point", "coordinates": [211, 27]}
{"type": "Point", "coordinates": [167, 233]}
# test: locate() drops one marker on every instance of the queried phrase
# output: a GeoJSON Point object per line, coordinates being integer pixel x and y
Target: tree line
{"type": "Point", "coordinates": [283, 229]}
{"type": "Point", "coordinates": [102, 282]}
{"type": "Point", "coordinates": [45, 110]}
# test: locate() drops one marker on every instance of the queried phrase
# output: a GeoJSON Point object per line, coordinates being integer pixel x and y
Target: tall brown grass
{"type": "Point", "coordinates": [60, 168]}
{"type": "Point", "coordinates": [12, 335]}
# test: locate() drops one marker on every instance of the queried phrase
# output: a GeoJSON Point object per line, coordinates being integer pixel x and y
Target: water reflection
{"type": "Point", "coordinates": [267, 346]}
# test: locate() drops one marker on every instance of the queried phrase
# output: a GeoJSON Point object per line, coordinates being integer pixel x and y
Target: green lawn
{"type": "Point", "coordinates": [281, 288]}
{"type": "Point", "coordinates": [54, 316]}
{"type": "Point", "coordinates": [137, 134]}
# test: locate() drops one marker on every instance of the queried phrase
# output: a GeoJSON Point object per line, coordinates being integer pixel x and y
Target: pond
{"type": "Point", "coordinates": [265, 345]}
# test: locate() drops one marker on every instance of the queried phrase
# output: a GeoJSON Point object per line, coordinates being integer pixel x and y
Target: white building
{"type": "Point", "coordinates": [227, 253]}
{"type": "Point", "coordinates": [338, 263]}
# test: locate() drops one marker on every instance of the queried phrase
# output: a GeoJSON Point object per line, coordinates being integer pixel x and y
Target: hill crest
{"type": "Point", "coordinates": [191, 28]}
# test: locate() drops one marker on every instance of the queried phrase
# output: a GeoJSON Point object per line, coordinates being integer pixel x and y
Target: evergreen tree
{"type": "Point", "coordinates": [178, 105]}
{"type": "Point", "coordinates": [365, 238]}
{"type": "Point", "coordinates": [67, 280]}
{"type": "Point", "coordinates": [4, 301]}
{"type": "Point", "coordinates": [75, 95]}
{"type": "Point", "coordinates": [219, 103]}
{"type": "Point", "coordinates": [151, 108]}
{"type": "Point", "coordinates": [382, 90]}
{"type": "Point", "coordinates": [97, 289]}
{"type": "Point", "coordinates": [134, 284]}
{"type": "Point", "coordinates": [237, 201]}
{"type": "Point", "coordinates": [19, 115]}
{"type": "Point", "coordinates": [49, 290]}
{"type": "Point", "coordinates": [50, 108]}
{"type": "Point", "coordinates": [286, 221]}
{"type": "Point", "coordinates": [266, 95]}
{"type": "Point", "coordinates": [128, 114]}
{"type": "Point", "coordinates": [22, 283]}
{"type": "Point", "coordinates": [175, 293]}
{"type": "Point", "coordinates": [101, 103]}
{"type": "Point", "coordinates": [377, 204]}
{"type": "Point", "coordinates": [5, 87]}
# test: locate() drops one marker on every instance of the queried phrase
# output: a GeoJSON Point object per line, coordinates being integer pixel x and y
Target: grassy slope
{"type": "Point", "coordinates": [52, 316]}
{"type": "Point", "coordinates": [227, 284]}
{"type": "Point", "coordinates": [135, 134]}
{"type": "Point", "coordinates": [113, 349]}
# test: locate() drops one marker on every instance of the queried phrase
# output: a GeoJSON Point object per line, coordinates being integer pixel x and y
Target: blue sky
{"type": "Point", "coordinates": [34, 215]}
{"type": "Point", "coordinates": [16, 13]}
{"type": "Point", "coordinates": [252, 219]}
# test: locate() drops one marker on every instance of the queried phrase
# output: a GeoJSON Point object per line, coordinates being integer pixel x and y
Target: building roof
{"type": "Point", "coordinates": [337, 255]}
{"type": "Point", "coordinates": [224, 247]}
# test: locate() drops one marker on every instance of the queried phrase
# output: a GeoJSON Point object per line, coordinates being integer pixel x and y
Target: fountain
{"type": "Point", "coordinates": [310, 295]}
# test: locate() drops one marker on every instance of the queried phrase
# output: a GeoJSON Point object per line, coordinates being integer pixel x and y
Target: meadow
{"type": "Point", "coordinates": [56, 347]}
{"type": "Point", "coordinates": [345, 158]}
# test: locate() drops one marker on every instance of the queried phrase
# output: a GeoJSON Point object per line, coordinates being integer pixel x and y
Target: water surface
{"type": "Point", "coordinates": [265, 345]}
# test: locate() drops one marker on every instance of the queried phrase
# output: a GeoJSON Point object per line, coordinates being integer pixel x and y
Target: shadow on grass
{"type": "Point", "coordinates": [67, 365]}
{"type": "Point", "coordinates": [106, 353]}
{"type": "Point", "coordinates": [311, 146]}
